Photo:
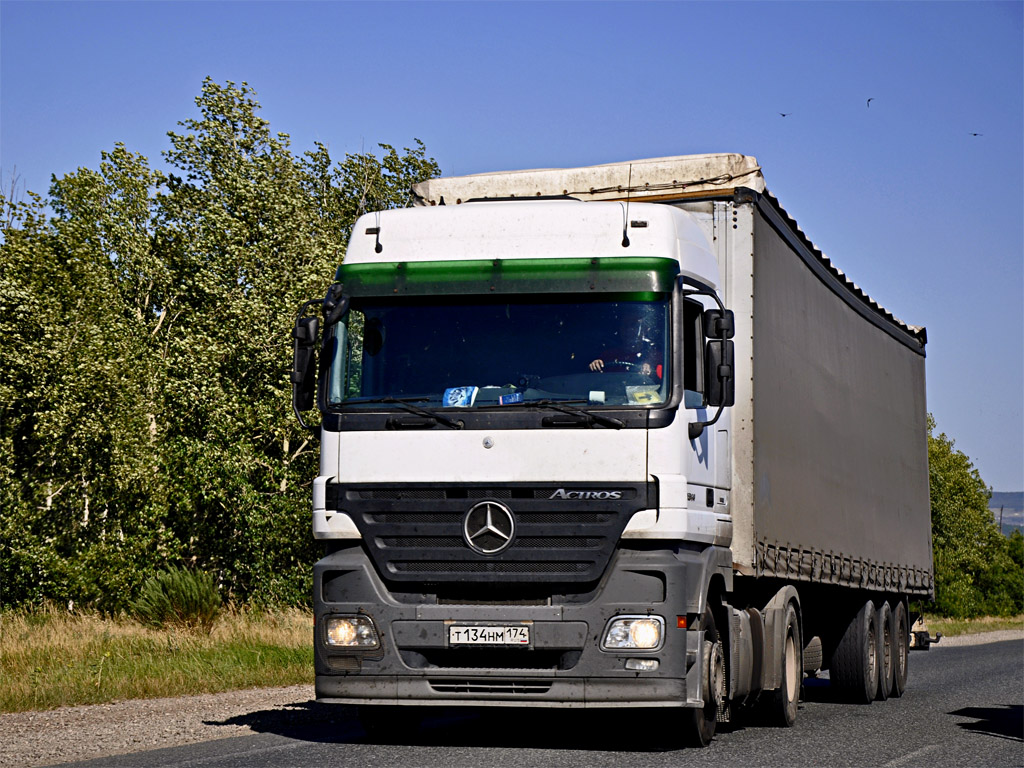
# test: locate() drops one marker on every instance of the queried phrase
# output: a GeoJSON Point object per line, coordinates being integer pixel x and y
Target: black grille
{"type": "Point", "coordinates": [561, 517]}
{"type": "Point", "coordinates": [456, 517]}
{"type": "Point", "coordinates": [462, 492]}
{"type": "Point", "coordinates": [490, 566]}
{"type": "Point", "coordinates": [503, 687]}
{"type": "Point", "coordinates": [492, 659]}
{"type": "Point", "coordinates": [391, 494]}
{"type": "Point", "coordinates": [523, 542]}
{"type": "Point", "coordinates": [414, 532]}
{"type": "Point", "coordinates": [481, 601]}
{"type": "Point", "coordinates": [414, 517]}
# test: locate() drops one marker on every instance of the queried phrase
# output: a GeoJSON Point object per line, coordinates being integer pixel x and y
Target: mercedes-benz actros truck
{"type": "Point", "coordinates": [617, 436]}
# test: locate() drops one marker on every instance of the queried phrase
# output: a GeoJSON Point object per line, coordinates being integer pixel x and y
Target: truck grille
{"type": "Point", "coordinates": [515, 659]}
{"type": "Point", "coordinates": [502, 687]}
{"type": "Point", "coordinates": [414, 533]}
{"type": "Point", "coordinates": [526, 542]}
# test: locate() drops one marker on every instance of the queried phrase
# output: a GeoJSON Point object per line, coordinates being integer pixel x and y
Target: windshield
{"type": "Point", "coordinates": [481, 351]}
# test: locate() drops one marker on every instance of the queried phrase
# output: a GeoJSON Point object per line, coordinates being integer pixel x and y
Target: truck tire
{"type": "Point", "coordinates": [699, 725]}
{"type": "Point", "coordinates": [854, 668]}
{"type": "Point", "coordinates": [886, 651]}
{"type": "Point", "coordinates": [901, 648]}
{"type": "Point", "coordinates": [787, 697]}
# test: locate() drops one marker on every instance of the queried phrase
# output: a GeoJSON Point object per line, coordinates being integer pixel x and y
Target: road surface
{"type": "Point", "coordinates": [963, 707]}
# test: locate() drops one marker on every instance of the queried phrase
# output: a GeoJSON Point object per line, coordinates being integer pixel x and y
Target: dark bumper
{"type": "Point", "coordinates": [564, 665]}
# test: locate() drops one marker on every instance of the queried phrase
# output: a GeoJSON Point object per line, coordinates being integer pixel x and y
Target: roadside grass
{"type": "Point", "coordinates": [51, 658]}
{"type": "Point", "coordinates": [954, 627]}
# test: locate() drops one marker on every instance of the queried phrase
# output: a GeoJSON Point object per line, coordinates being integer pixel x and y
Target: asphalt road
{"type": "Point", "coordinates": [964, 706]}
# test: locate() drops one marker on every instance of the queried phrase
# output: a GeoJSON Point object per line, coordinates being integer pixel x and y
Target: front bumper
{"type": "Point", "coordinates": [564, 665]}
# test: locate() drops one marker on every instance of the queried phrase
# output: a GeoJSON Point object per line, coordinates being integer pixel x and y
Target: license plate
{"type": "Point", "coordinates": [517, 634]}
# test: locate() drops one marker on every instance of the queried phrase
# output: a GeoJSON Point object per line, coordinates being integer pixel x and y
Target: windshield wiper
{"type": "Point", "coordinates": [565, 406]}
{"type": "Point", "coordinates": [407, 405]}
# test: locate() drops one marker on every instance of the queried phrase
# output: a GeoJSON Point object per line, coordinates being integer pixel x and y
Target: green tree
{"type": "Point", "coordinates": [974, 572]}
{"type": "Point", "coordinates": [76, 426]}
{"type": "Point", "coordinates": [145, 345]}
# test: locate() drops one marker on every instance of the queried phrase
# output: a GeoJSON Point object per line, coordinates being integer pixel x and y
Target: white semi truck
{"type": "Point", "coordinates": [617, 436]}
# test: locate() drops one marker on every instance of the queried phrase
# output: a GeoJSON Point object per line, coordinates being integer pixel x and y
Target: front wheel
{"type": "Point", "coordinates": [700, 723]}
{"type": "Point", "coordinates": [787, 697]}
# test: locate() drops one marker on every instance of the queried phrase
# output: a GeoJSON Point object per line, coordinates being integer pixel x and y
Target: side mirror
{"type": "Point", "coordinates": [719, 359]}
{"type": "Point", "coordinates": [303, 373]}
{"type": "Point", "coordinates": [720, 373]}
{"type": "Point", "coordinates": [719, 324]}
{"type": "Point", "coordinates": [335, 305]}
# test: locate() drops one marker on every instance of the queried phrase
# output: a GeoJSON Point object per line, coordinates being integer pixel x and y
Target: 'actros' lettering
{"type": "Point", "coordinates": [561, 493]}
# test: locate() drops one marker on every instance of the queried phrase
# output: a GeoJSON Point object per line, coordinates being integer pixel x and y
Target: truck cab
{"type": "Point", "coordinates": [519, 496]}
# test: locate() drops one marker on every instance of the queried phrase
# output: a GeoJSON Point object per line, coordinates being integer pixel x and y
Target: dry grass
{"type": "Point", "coordinates": [50, 658]}
{"type": "Point", "coordinates": [954, 627]}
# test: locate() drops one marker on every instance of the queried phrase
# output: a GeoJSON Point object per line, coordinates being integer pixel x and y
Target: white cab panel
{"type": "Point", "coordinates": [528, 455]}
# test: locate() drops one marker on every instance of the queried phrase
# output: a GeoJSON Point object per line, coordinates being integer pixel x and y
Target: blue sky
{"type": "Point", "coordinates": [927, 218]}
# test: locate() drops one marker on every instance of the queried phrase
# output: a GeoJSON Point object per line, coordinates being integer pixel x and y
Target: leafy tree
{"type": "Point", "coordinates": [974, 571]}
{"type": "Point", "coordinates": [144, 350]}
{"type": "Point", "coordinates": [80, 449]}
{"type": "Point", "coordinates": [1016, 548]}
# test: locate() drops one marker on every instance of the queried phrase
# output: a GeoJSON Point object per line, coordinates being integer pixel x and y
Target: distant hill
{"type": "Point", "coordinates": [1011, 505]}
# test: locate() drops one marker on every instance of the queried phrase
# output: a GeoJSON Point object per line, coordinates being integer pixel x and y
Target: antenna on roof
{"type": "Point", "coordinates": [625, 212]}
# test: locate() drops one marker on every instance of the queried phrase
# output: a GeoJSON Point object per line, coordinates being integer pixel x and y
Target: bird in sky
{"type": "Point", "coordinates": [869, 101]}
{"type": "Point", "coordinates": [785, 114]}
{"type": "Point", "coordinates": [977, 134]}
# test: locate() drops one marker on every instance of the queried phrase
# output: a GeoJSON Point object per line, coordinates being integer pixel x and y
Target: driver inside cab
{"type": "Point", "coordinates": [632, 348]}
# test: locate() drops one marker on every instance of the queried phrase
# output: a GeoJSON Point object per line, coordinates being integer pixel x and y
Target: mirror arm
{"type": "Point", "coordinates": [308, 427]}
{"type": "Point", "coordinates": [705, 292]}
{"type": "Point", "coordinates": [696, 428]}
{"type": "Point", "coordinates": [334, 305]}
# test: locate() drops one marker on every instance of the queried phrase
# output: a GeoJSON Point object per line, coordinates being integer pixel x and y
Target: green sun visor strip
{"type": "Point", "coordinates": [628, 274]}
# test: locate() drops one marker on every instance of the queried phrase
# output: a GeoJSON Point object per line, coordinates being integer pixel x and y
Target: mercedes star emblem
{"type": "Point", "coordinates": [489, 527]}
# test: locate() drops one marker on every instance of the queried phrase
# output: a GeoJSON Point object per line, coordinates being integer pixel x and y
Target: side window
{"type": "Point", "coordinates": [356, 330]}
{"type": "Point", "coordinates": [343, 351]}
{"type": "Point", "coordinates": [693, 347]}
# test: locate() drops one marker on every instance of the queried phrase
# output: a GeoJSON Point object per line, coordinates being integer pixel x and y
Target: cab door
{"type": "Point", "coordinates": [708, 470]}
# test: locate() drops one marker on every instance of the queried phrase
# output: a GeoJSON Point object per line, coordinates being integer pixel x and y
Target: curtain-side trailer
{"type": "Point", "coordinates": [617, 436]}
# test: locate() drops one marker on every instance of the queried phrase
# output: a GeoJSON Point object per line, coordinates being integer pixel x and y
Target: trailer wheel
{"type": "Point", "coordinates": [901, 648]}
{"type": "Point", "coordinates": [700, 723]}
{"type": "Point", "coordinates": [886, 651]}
{"type": "Point", "coordinates": [854, 668]}
{"type": "Point", "coordinates": [787, 697]}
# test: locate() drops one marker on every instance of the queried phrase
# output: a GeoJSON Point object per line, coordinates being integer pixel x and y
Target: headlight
{"type": "Point", "coordinates": [638, 633]}
{"type": "Point", "coordinates": [352, 632]}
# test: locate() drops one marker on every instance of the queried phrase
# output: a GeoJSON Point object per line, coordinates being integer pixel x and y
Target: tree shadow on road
{"type": "Point", "coordinates": [1006, 722]}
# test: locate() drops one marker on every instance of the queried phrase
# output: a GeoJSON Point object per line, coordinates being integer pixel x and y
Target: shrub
{"type": "Point", "coordinates": [178, 598]}
{"type": "Point", "coordinates": [978, 571]}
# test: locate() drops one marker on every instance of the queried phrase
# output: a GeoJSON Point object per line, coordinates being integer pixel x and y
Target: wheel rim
{"type": "Point", "coordinates": [717, 676]}
{"type": "Point", "coordinates": [887, 647]}
{"type": "Point", "coordinates": [902, 649]}
{"type": "Point", "coordinates": [872, 655]}
{"type": "Point", "coordinates": [792, 683]}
